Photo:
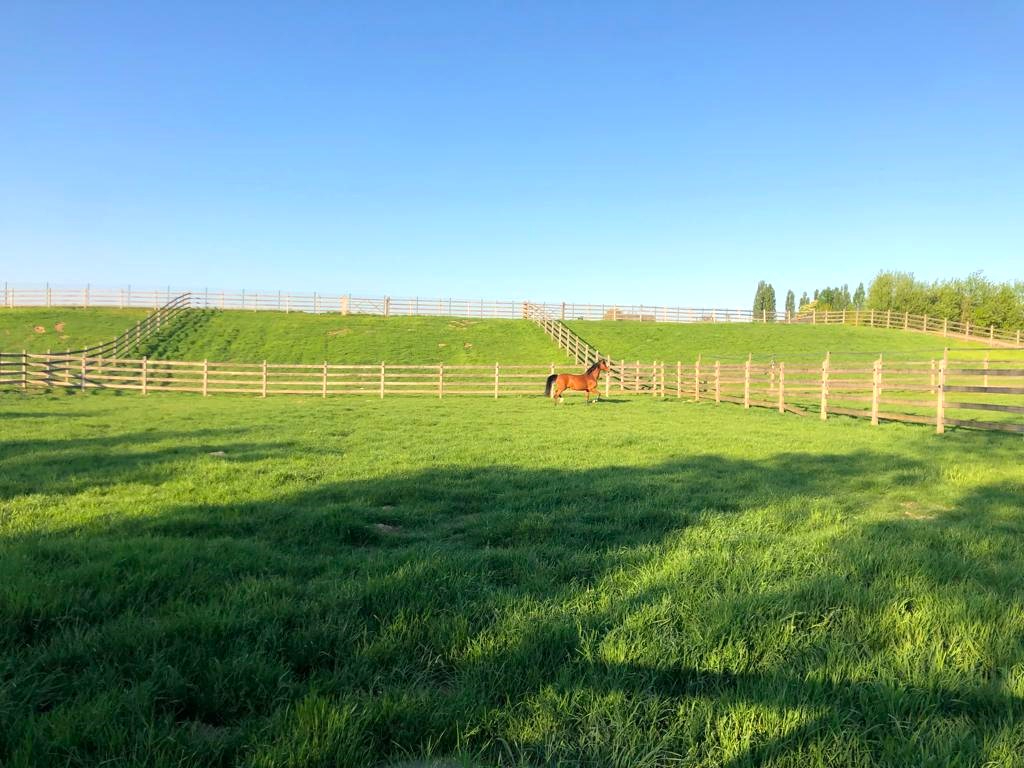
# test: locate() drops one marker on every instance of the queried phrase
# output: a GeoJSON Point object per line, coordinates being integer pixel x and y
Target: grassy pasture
{"type": "Point", "coordinates": [733, 341]}
{"type": "Point", "coordinates": [81, 327]}
{"type": "Point", "coordinates": [638, 583]}
{"type": "Point", "coordinates": [237, 336]}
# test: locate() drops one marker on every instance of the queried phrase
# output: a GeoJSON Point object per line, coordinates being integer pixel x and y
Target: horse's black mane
{"type": "Point", "coordinates": [591, 369]}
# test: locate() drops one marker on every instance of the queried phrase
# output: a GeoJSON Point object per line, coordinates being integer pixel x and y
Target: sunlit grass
{"type": "Point", "coordinates": [188, 581]}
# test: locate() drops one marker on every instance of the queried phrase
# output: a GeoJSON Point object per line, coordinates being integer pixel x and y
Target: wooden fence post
{"type": "Point", "coordinates": [940, 400]}
{"type": "Point", "coordinates": [637, 372]}
{"type": "Point", "coordinates": [654, 378]}
{"type": "Point", "coordinates": [696, 380]}
{"type": "Point", "coordinates": [876, 387]}
{"type": "Point", "coordinates": [746, 382]}
{"type": "Point", "coordinates": [924, 325]}
{"type": "Point", "coordinates": [387, 306]}
{"type": "Point", "coordinates": [782, 387]}
{"type": "Point", "coordinates": [382, 380]}
{"type": "Point", "coordinates": [24, 370]}
{"type": "Point", "coordinates": [323, 383]}
{"type": "Point", "coordinates": [67, 368]}
{"type": "Point", "coordinates": [263, 380]}
{"type": "Point", "coordinates": [814, 317]}
{"type": "Point", "coordinates": [49, 370]}
{"type": "Point", "coordinates": [906, 320]}
{"type": "Point", "coordinates": [206, 377]}
{"type": "Point", "coordinates": [991, 332]}
{"type": "Point", "coordinates": [888, 318]}
{"type": "Point", "coordinates": [662, 378]}
{"type": "Point", "coordinates": [718, 382]}
{"type": "Point", "coordinates": [679, 378]}
{"type": "Point", "coordinates": [496, 381]}
{"type": "Point", "coordinates": [824, 386]}
{"type": "Point", "coordinates": [84, 366]}
{"type": "Point", "coordinates": [945, 326]}
{"type": "Point", "coordinates": [145, 374]}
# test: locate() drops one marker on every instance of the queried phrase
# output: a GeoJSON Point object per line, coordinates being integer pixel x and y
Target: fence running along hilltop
{"type": "Point", "coordinates": [320, 303]}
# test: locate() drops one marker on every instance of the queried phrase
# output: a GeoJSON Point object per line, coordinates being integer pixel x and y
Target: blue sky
{"type": "Point", "coordinates": [659, 152]}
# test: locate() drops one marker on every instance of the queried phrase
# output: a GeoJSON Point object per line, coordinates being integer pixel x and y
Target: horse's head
{"type": "Point", "coordinates": [602, 365]}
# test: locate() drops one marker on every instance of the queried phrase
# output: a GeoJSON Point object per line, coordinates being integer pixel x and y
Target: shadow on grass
{"type": "Point", "coordinates": [609, 616]}
{"type": "Point", "coordinates": [72, 465]}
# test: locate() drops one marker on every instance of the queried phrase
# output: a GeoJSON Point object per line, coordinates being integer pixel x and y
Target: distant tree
{"type": "Point", "coordinates": [760, 297]}
{"type": "Point", "coordinates": [790, 303]}
{"type": "Point", "coordinates": [858, 297]}
{"type": "Point", "coordinates": [815, 294]}
{"type": "Point", "coordinates": [769, 301]}
{"type": "Point", "coordinates": [804, 301]}
{"type": "Point", "coordinates": [974, 299]}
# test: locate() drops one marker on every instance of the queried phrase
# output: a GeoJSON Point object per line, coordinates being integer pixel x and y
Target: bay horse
{"type": "Point", "coordinates": [585, 383]}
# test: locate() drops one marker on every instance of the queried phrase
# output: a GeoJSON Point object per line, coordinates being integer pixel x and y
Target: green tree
{"type": "Point", "coordinates": [790, 303]}
{"type": "Point", "coordinates": [759, 298]}
{"type": "Point", "coordinates": [858, 296]}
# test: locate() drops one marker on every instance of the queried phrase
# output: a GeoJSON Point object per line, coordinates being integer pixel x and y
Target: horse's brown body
{"type": "Point", "coordinates": [587, 382]}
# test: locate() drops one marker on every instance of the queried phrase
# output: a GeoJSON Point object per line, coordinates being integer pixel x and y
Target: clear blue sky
{"type": "Point", "coordinates": [659, 152]}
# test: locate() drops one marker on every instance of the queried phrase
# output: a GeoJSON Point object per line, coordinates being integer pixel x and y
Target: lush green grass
{"type": "Point", "coordinates": [303, 338]}
{"type": "Point", "coordinates": [81, 327]}
{"type": "Point", "coordinates": [734, 341]}
{"type": "Point", "coordinates": [639, 583]}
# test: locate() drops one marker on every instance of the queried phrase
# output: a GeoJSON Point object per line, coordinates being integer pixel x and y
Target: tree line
{"type": "Point", "coordinates": [974, 299]}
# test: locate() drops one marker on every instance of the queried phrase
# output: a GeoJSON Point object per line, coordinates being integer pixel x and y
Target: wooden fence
{"type": "Point", "coordinates": [939, 392]}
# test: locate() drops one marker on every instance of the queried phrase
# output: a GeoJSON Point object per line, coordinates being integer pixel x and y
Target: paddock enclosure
{"type": "Point", "coordinates": [912, 385]}
{"type": "Point", "coordinates": [337, 561]}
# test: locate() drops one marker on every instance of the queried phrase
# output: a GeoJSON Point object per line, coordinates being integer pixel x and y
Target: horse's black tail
{"type": "Point", "coordinates": [547, 387]}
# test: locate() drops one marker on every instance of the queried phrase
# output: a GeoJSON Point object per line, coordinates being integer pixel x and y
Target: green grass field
{"type": "Point", "coordinates": [238, 336]}
{"type": "Point", "coordinates": [297, 582]}
{"type": "Point", "coordinates": [734, 341]}
{"type": "Point", "coordinates": [81, 327]}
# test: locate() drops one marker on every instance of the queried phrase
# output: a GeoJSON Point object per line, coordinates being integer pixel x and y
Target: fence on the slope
{"type": "Point", "coordinates": [319, 303]}
{"type": "Point", "coordinates": [130, 339]}
{"type": "Point", "coordinates": [905, 321]}
{"type": "Point", "coordinates": [941, 392]}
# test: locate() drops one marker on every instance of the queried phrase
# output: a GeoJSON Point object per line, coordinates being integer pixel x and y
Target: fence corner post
{"type": "Point", "coordinates": [746, 381]}
{"type": "Point", "coordinates": [381, 379]}
{"type": "Point", "coordinates": [940, 400]}
{"type": "Point", "coordinates": [876, 389]}
{"type": "Point", "coordinates": [824, 386]}
{"type": "Point", "coordinates": [782, 387]}
{"type": "Point", "coordinates": [263, 382]}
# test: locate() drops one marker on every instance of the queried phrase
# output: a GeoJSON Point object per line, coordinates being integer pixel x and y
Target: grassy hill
{"type": "Point", "coordinates": [59, 328]}
{"type": "Point", "coordinates": [302, 338]}
{"type": "Point", "coordinates": [725, 341]}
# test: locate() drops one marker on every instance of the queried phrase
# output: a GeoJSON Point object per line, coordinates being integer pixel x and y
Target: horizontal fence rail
{"type": "Point", "coordinates": [986, 394]}
{"type": "Point", "coordinates": [319, 303]}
